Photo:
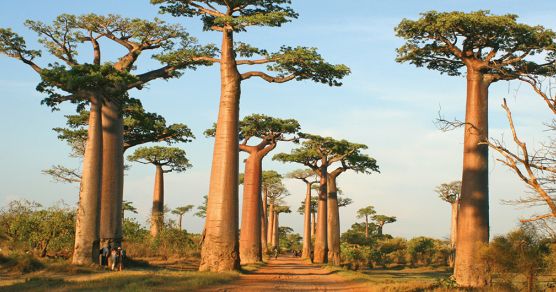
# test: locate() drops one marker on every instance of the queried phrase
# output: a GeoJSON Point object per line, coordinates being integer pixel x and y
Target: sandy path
{"type": "Point", "coordinates": [290, 274]}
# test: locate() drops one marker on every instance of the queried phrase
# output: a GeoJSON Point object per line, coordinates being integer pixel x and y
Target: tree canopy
{"type": "Point", "coordinates": [316, 149]}
{"type": "Point", "coordinates": [182, 210]}
{"type": "Point", "coordinates": [366, 212]}
{"type": "Point", "coordinates": [493, 44]}
{"type": "Point", "coordinates": [288, 63]}
{"type": "Point", "coordinates": [449, 192]}
{"type": "Point", "coordinates": [170, 158]}
{"type": "Point", "coordinates": [383, 219]}
{"type": "Point", "coordinates": [113, 79]}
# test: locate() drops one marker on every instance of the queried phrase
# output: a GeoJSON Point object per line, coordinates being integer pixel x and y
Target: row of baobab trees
{"type": "Point", "coordinates": [486, 48]}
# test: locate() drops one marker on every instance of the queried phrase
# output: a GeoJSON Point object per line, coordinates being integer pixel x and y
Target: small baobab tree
{"type": "Point", "coordinates": [307, 176]}
{"type": "Point", "coordinates": [278, 209]}
{"type": "Point", "coordinates": [450, 192]}
{"type": "Point", "coordinates": [381, 220]}
{"type": "Point", "coordinates": [165, 159]}
{"type": "Point", "coordinates": [487, 48]}
{"type": "Point", "coordinates": [267, 131]}
{"type": "Point", "coordinates": [366, 213]}
{"type": "Point", "coordinates": [180, 211]}
{"type": "Point", "coordinates": [221, 251]}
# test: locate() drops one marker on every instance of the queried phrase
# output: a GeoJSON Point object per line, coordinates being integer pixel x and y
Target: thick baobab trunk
{"type": "Point", "coordinates": [220, 251]}
{"type": "Point", "coordinates": [112, 173]}
{"type": "Point", "coordinates": [313, 224]}
{"type": "Point", "coordinates": [333, 222]}
{"type": "Point", "coordinates": [264, 223]}
{"type": "Point", "coordinates": [306, 252]}
{"type": "Point", "coordinates": [276, 231]}
{"type": "Point", "coordinates": [179, 223]}
{"type": "Point", "coordinates": [321, 240]}
{"type": "Point", "coordinates": [453, 234]}
{"type": "Point", "coordinates": [271, 225]}
{"type": "Point", "coordinates": [250, 237]}
{"type": "Point", "coordinates": [86, 248]}
{"type": "Point", "coordinates": [473, 217]}
{"type": "Point", "coordinates": [157, 214]}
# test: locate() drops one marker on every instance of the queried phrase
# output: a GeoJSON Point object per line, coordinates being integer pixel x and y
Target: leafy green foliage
{"type": "Point", "coordinates": [109, 79]}
{"type": "Point", "coordinates": [366, 212]}
{"type": "Point", "coordinates": [449, 192]}
{"type": "Point", "coordinates": [523, 251]}
{"type": "Point", "coordinates": [238, 15]}
{"type": "Point", "coordinates": [182, 210]}
{"type": "Point", "coordinates": [29, 226]}
{"type": "Point", "coordinates": [315, 148]}
{"type": "Point", "coordinates": [494, 44]}
{"type": "Point", "coordinates": [288, 240]}
{"type": "Point", "coordinates": [307, 64]}
{"type": "Point", "coordinates": [266, 128]}
{"type": "Point", "coordinates": [170, 158]}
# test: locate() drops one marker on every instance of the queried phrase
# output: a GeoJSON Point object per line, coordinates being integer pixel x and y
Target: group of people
{"type": "Point", "coordinates": [112, 258]}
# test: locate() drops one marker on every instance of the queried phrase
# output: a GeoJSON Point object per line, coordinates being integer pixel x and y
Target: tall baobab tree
{"type": "Point", "coordinates": [381, 220]}
{"type": "Point", "coordinates": [318, 153]}
{"type": "Point", "coordinates": [102, 86]}
{"type": "Point", "coordinates": [365, 213]}
{"type": "Point", "coordinates": [450, 192]}
{"type": "Point", "coordinates": [267, 131]}
{"type": "Point", "coordinates": [180, 211]}
{"type": "Point", "coordinates": [487, 48]}
{"type": "Point", "coordinates": [305, 175]}
{"type": "Point", "coordinates": [220, 251]}
{"type": "Point", "coordinates": [139, 127]}
{"type": "Point", "coordinates": [165, 159]}
{"type": "Point", "coordinates": [351, 158]}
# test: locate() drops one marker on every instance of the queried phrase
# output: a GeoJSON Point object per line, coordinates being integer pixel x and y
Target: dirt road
{"type": "Point", "coordinates": [290, 274]}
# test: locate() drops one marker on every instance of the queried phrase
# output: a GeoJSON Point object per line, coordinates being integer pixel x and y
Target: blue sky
{"type": "Point", "coordinates": [386, 105]}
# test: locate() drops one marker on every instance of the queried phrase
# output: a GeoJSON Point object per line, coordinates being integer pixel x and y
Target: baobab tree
{"type": "Point", "coordinates": [180, 211]}
{"type": "Point", "coordinates": [487, 48]}
{"type": "Point", "coordinates": [267, 131]}
{"type": "Point", "coordinates": [220, 253]}
{"type": "Point", "coordinates": [307, 176]}
{"type": "Point", "coordinates": [102, 86]}
{"type": "Point", "coordinates": [139, 127]}
{"type": "Point", "coordinates": [165, 159]}
{"type": "Point", "coordinates": [275, 194]}
{"type": "Point", "coordinates": [381, 220]}
{"type": "Point", "coordinates": [450, 192]}
{"type": "Point", "coordinates": [271, 179]}
{"type": "Point", "coordinates": [318, 153]}
{"type": "Point", "coordinates": [365, 213]}
{"type": "Point", "coordinates": [278, 209]}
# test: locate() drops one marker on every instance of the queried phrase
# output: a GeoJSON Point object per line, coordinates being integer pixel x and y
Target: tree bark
{"type": "Point", "coordinates": [264, 223]}
{"type": "Point", "coordinates": [250, 237]}
{"type": "Point", "coordinates": [453, 234]}
{"type": "Point", "coordinates": [321, 240]}
{"type": "Point", "coordinates": [220, 250]}
{"type": "Point", "coordinates": [473, 217]}
{"type": "Point", "coordinates": [306, 252]}
{"type": "Point", "coordinates": [157, 214]}
{"type": "Point", "coordinates": [313, 224]}
{"type": "Point", "coordinates": [112, 173]}
{"type": "Point", "coordinates": [379, 228]}
{"type": "Point", "coordinates": [179, 223]}
{"type": "Point", "coordinates": [271, 225]}
{"type": "Point", "coordinates": [86, 248]}
{"type": "Point", "coordinates": [366, 226]}
{"type": "Point", "coordinates": [276, 231]}
{"type": "Point", "coordinates": [333, 222]}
